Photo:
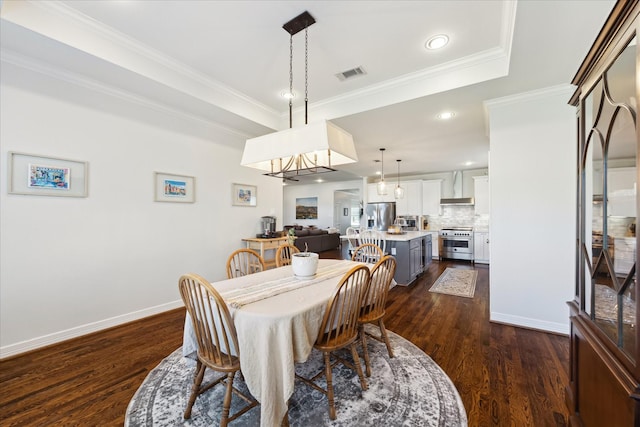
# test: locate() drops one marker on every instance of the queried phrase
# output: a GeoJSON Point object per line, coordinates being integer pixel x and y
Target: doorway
{"type": "Point", "coordinates": [347, 209]}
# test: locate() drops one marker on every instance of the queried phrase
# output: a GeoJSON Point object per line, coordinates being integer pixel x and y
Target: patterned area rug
{"type": "Point", "coordinates": [409, 389]}
{"type": "Point", "coordinates": [456, 281]}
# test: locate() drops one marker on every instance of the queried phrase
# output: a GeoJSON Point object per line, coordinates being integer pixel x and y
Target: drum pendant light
{"type": "Point", "coordinates": [303, 150]}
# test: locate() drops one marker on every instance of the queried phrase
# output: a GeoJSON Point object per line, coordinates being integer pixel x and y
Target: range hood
{"type": "Point", "coordinates": [457, 198]}
{"type": "Point", "coordinates": [458, 201]}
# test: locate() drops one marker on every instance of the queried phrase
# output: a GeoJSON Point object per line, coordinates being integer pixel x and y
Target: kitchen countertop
{"type": "Point", "coordinates": [409, 235]}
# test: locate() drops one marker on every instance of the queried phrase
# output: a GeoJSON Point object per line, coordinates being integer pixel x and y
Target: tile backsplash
{"type": "Point", "coordinates": [459, 216]}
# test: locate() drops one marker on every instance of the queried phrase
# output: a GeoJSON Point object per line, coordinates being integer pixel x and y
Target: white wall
{"type": "Point", "coordinates": [324, 193]}
{"type": "Point", "coordinates": [70, 266]}
{"type": "Point", "coordinates": [533, 175]}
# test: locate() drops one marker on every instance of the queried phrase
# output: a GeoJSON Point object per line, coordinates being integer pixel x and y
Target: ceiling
{"type": "Point", "coordinates": [227, 62]}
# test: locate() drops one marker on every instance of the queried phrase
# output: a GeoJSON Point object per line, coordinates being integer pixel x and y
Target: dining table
{"type": "Point", "coordinates": [277, 317]}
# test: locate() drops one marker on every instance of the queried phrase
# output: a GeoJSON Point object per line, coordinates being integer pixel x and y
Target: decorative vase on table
{"type": "Point", "coordinates": [304, 264]}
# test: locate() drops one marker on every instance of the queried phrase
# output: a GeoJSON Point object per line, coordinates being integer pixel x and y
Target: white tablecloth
{"type": "Point", "coordinates": [274, 333]}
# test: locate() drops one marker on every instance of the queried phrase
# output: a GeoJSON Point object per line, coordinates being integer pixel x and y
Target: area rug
{"type": "Point", "coordinates": [607, 306]}
{"type": "Point", "coordinates": [456, 281]}
{"type": "Point", "coordinates": [409, 389]}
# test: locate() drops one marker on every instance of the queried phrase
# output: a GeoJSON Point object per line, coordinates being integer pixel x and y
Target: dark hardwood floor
{"type": "Point", "coordinates": [506, 376]}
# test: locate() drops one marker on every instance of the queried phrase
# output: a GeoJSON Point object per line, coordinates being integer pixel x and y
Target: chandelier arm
{"type": "Point", "coordinates": [283, 167]}
{"type": "Point", "coordinates": [307, 162]}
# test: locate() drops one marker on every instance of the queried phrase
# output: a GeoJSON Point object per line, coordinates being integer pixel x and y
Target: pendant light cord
{"type": "Point", "coordinates": [291, 81]}
{"type": "Point", "coordinates": [306, 72]}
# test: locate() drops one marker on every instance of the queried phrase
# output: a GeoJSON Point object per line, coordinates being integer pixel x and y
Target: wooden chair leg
{"type": "Point", "coordinates": [385, 337]}
{"type": "Point", "coordinates": [356, 361]}
{"type": "Point", "coordinates": [195, 389]}
{"type": "Point", "coordinates": [365, 352]}
{"type": "Point", "coordinates": [226, 405]}
{"type": "Point", "coordinates": [327, 371]}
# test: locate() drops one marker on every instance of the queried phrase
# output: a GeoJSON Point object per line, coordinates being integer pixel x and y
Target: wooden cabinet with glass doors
{"type": "Point", "coordinates": [605, 370]}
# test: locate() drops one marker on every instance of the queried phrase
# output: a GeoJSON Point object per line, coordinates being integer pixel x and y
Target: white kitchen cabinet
{"type": "Point", "coordinates": [431, 194]}
{"type": "Point", "coordinates": [481, 247]}
{"type": "Point", "coordinates": [411, 203]}
{"type": "Point", "coordinates": [435, 250]}
{"type": "Point", "coordinates": [481, 194]}
{"type": "Point", "coordinates": [374, 197]}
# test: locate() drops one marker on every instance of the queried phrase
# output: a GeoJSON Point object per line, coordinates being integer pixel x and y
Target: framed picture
{"type": "Point", "coordinates": [174, 188]}
{"type": "Point", "coordinates": [36, 175]}
{"type": "Point", "coordinates": [244, 195]}
{"type": "Point", "coordinates": [307, 208]}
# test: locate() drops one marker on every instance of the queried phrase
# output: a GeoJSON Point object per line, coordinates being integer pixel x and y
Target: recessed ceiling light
{"type": "Point", "coordinates": [319, 180]}
{"type": "Point", "coordinates": [468, 163]}
{"type": "Point", "coordinates": [437, 42]}
{"type": "Point", "coordinates": [446, 115]}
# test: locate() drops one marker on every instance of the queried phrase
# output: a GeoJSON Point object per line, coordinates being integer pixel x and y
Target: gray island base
{"type": "Point", "coordinates": [411, 249]}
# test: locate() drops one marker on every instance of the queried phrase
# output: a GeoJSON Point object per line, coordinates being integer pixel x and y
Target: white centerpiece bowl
{"type": "Point", "coordinates": [305, 264]}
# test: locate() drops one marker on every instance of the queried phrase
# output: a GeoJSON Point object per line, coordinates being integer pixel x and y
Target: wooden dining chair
{"type": "Point", "coordinates": [374, 304]}
{"type": "Point", "coordinates": [283, 254]}
{"type": "Point", "coordinates": [367, 252]}
{"type": "Point", "coordinates": [217, 343]}
{"type": "Point", "coordinates": [243, 262]}
{"type": "Point", "coordinates": [339, 329]}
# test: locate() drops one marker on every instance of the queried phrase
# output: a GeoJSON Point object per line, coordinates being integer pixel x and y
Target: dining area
{"type": "Point", "coordinates": [266, 323]}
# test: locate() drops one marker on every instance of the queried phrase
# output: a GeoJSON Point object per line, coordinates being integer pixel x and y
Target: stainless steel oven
{"type": "Point", "coordinates": [456, 243]}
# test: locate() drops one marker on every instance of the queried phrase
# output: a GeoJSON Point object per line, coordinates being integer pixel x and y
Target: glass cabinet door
{"type": "Point", "coordinates": [610, 183]}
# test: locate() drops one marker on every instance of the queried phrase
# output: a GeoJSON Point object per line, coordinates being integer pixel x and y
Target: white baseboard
{"type": "Point", "coordinates": [526, 322]}
{"type": "Point", "coordinates": [45, 340]}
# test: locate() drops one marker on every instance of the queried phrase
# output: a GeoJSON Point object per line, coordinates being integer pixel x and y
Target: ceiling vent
{"type": "Point", "coordinates": [349, 74]}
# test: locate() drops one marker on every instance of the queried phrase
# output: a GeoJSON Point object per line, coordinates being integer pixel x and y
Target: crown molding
{"type": "Point", "coordinates": [562, 89]}
{"type": "Point", "coordinates": [28, 63]}
{"type": "Point", "coordinates": [486, 65]}
{"type": "Point", "coordinates": [62, 23]}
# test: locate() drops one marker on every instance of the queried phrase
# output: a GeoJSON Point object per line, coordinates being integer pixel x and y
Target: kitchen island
{"type": "Point", "coordinates": [412, 250]}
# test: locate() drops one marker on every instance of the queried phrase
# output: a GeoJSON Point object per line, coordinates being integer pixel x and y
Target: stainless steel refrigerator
{"type": "Point", "coordinates": [380, 216]}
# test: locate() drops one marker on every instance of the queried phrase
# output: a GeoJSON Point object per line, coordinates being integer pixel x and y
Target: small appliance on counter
{"type": "Point", "coordinates": [424, 223]}
{"type": "Point", "coordinates": [409, 222]}
{"type": "Point", "coordinates": [269, 227]}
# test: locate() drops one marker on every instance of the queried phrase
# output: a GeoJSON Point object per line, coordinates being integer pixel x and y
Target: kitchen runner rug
{"type": "Point", "coordinates": [456, 281]}
{"type": "Point", "coordinates": [408, 389]}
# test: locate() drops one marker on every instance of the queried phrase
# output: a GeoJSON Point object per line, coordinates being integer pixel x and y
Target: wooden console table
{"type": "Point", "coordinates": [264, 244]}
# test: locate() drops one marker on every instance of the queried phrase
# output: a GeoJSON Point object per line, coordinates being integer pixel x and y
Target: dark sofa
{"type": "Point", "coordinates": [317, 240]}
